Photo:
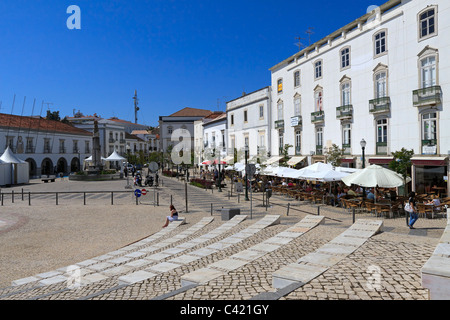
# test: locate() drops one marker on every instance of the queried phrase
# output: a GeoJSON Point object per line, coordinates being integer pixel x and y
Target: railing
{"type": "Point", "coordinates": [279, 124]}
{"type": "Point", "coordinates": [380, 105]}
{"type": "Point", "coordinates": [382, 148]}
{"type": "Point", "coordinates": [427, 96]}
{"type": "Point", "coordinates": [318, 116]}
{"type": "Point", "coordinates": [344, 112]}
{"type": "Point", "coordinates": [347, 149]}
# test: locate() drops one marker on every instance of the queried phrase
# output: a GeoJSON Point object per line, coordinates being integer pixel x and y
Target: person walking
{"type": "Point", "coordinates": [173, 215]}
{"type": "Point", "coordinates": [413, 216]}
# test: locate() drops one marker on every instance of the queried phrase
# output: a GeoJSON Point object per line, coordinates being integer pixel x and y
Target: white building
{"type": "Point", "coordinates": [248, 122]}
{"type": "Point", "coordinates": [382, 78]}
{"type": "Point", "coordinates": [182, 120]}
{"type": "Point", "coordinates": [48, 146]}
{"type": "Point", "coordinates": [215, 137]}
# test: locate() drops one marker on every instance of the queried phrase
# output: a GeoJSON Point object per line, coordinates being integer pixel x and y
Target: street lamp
{"type": "Point", "coordinates": [220, 182]}
{"type": "Point", "coordinates": [246, 173]}
{"type": "Point", "coordinates": [363, 147]}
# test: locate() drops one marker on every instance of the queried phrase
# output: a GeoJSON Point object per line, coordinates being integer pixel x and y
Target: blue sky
{"type": "Point", "coordinates": [176, 54]}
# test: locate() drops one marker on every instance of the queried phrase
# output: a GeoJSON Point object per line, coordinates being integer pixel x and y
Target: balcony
{"type": "Point", "coordinates": [347, 149]}
{"type": "Point", "coordinates": [296, 121]}
{"type": "Point", "coordinates": [319, 150]}
{"type": "Point", "coordinates": [279, 124]}
{"type": "Point", "coordinates": [382, 148]}
{"type": "Point", "coordinates": [380, 105]}
{"type": "Point", "coordinates": [112, 140]}
{"type": "Point", "coordinates": [427, 96]}
{"type": "Point", "coordinates": [318, 116]}
{"type": "Point", "coordinates": [344, 112]}
{"type": "Point", "coordinates": [429, 146]}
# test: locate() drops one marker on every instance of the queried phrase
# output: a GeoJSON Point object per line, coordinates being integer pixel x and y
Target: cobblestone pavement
{"type": "Point", "coordinates": [386, 267]}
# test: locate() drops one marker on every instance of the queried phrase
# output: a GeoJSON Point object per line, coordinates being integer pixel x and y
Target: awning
{"type": "Point", "coordinates": [294, 160]}
{"type": "Point", "coordinates": [380, 160]}
{"type": "Point", "coordinates": [273, 160]}
{"type": "Point", "coordinates": [429, 161]}
{"type": "Point", "coordinates": [228, 159]}
{"type": "Point", "coordinates": [348, 160]}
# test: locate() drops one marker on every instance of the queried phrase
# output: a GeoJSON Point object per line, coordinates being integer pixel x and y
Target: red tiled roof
{"type": "Point", "coordinates": [191, 112]}
{"type": "Point", "coordinates": [39, 123]}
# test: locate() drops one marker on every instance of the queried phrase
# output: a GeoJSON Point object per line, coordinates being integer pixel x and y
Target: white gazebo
{"type": "Point", "coordinates": [116, 157]}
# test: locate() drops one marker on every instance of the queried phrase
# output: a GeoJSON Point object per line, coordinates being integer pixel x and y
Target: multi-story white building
{"type": "Point", "coordinates": [182, 120]}
{"type": "Point", "coordinates": [48, 146]}
{"type": "Point", "coordinates": [382, 78]}
{"type": "Point", "coordinates": [215, 136]}
{"type": "Point", "coordinates": [248, 123]}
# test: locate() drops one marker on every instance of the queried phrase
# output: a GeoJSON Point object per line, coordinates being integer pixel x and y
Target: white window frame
{"type": "Point", "coordinates": [318, 69]}
{"type": "Point", "coordinates": [298, 141]}
{"type": "Point", "coordinates": [380, 44]}
{"type": "Point", "coordinates": [297, 105]}
{"type": "Point", "coordinates": [297, 78]}
{"type": "Point", "coordinates": [280, 111]}
{"type": "Point", "coordinates": [318, 99]}
{"type": "Point", "coordinates": [420, 21]}
{"type": "Point", "coordinates": [345, 56]}
{"type": "Point", "coordinates": [261, 112]}
{"type": "Point", "coordinates": [346, 134]}
{"type": "Point", "coordinates": [428, 79]}
{"type": "Point", "coordinates": [429, 133]}
{"type": "Point", "coordinates": [382, 130]}
{"type": "Point", "coordinates": [319, 136]}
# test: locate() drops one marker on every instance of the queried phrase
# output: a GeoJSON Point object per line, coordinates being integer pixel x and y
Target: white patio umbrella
{"type": "Point", "coordinates": [375, 176]}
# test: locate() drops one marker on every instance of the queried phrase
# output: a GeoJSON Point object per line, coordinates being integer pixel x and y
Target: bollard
{"type": "Point", "coordinates": [264, 200]}
{"type": "Point", "coordinates": [186, 196]}
{"type": "Point", "coordinates": [112, 198]}
{"type": "Point", "coordinates": [56, 198]}
{"type": "Point", "coordinates": [318, 211]}
{"type": "Point", "coordinates": [353, 215]}
{"type": "Point", "coordinates": [84, 198]}
{"type": "Point", "coordinates": [22, 194]}
{"type": "Point", "coordinates": [29, 198]}
{"type": "Point", "coordinates": [239, 197]}
{"type": "Point", "coordinates": [287, 213]}
{"type": "Point", "coordinates": [2, 199]}
{"type": "Point", "coordinates": [170, 199]}
{"type": "Point", "coordinates": [211, 209]}
{"type": "Point", "coordinates": [12, 196]}
{"type": "Point", "coordinates": [157, 199]}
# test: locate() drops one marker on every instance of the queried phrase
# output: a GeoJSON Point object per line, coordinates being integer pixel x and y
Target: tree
{"type": "Point", "coordinates": [334, 155]}
{"type": "Point", "coordinates": [285, 154]}
{"type": "Point", "coordinates": [402, 163]}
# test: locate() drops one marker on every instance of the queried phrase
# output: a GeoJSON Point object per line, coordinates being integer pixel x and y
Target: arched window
{"type": "Point", "coordinates": [427, 23]}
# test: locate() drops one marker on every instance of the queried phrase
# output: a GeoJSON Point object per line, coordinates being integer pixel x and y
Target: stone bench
{"type": "Point", "coordinates": [314, 264]}
{"type": "Point", "coordinates": [436, 271]}
{"type": "Point", "coordinates": [48, 178]}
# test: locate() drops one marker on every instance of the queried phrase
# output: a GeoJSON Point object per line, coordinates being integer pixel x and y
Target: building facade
{"type": "Point", "coordinates": [49, 146]}
{"type": "Point", "coordinates": [381, 78]}
{"type": "Point", "coordinates": [249, 119]}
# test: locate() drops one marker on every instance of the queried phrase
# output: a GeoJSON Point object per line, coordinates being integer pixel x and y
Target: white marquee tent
{"type": "Point", "coordinates": [18, 171]}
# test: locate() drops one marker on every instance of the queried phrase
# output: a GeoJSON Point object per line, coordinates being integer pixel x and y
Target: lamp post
{"type": "Point", "coordinates": [246, 174]}
{"type": "Point", "coordinates": [363, 147]}
{"type": "Point", "coordinates": [220, 182]}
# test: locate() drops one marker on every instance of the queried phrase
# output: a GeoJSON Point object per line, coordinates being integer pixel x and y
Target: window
{"type": "Point", "coordinates": [380, 43]}
{"type": "Point", "coordinates": [428, 72]}
{"type": "Point", "coordinates": [298, 142]}
{"type": "Point", "coordinates": [261, 112]}
{"type": "Point", "coordinates": [345, 93]}
{"type": "Point", "coordinates": [346, 135]}
{"type": "Point", "coordinates": [280, 85]}
{"type": "Point", "coordinates": [429, 127]}
{"type": "Point", "coordinates": [29, 146]}
{"type": "Point", "coordinates": [382, 131]}
{"type": "Point", "coordinates": [87, 148]}
{"type": "Point", "coordinates": [427, 23]}
{"type": "Point", "coordinates": [296, 79]}
{"type": "Point", "coordinates": [319, 140]}
{"type": "Point", "coordinates": [246, 141]}
{"type": "Point", "coordinates": [280, 141]}
{"type": "Point", "coordinates": [345, 58]}
{"type": "Point", "coordinates": [169, 130]}
{"type": "Point", "coordinates": [280, 110]}
{"type": "Point", "coordinates": [381, 85]}
{"type": "Point", "coordinates": [245, 116]}
{"type": "Point", "coordinates": [232, 119]}
{"type": "Point", "coordinates": [297, 105]}
{"type": "Point", "coordinates": [47, 148]}
{"type": "Point", "coordinates": [318, 70]}
{"type": "Point", "coordinates": [318, 100]}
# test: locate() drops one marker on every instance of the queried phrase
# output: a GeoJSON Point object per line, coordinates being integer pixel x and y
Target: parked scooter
{"type": "Point", "coordinates": [138, 179]}
{"type": "Point", "coordinates": [149, 180]}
